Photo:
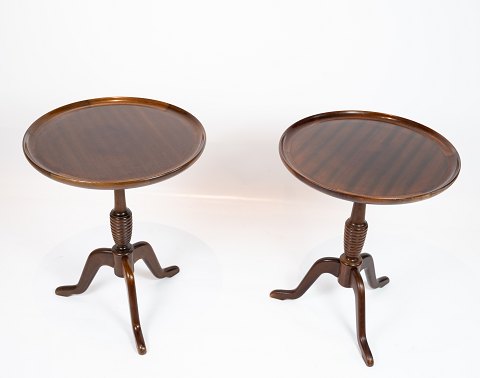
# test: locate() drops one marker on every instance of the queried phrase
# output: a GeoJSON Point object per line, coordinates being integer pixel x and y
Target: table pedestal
{"type": "Point", "coordinates": [121, 257]}
{"type": "Point", "coordinates": [347, 269]}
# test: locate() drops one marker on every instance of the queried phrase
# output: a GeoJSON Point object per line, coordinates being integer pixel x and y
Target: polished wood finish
{"type": "Point", "coordinates": [98, 258]}
{"type": "Point", "coordinates": [364, 157]}
{"type": "Point", "coordinates": [347, 269]}
{"type": "Point", "coordinates": [132, 300]}
{"type": "Point", "coordinates": [121, 258]}
{"type": "Point", "coordinates": [114, 142]}
{"type": "Point", "coordinates": [369, 157]}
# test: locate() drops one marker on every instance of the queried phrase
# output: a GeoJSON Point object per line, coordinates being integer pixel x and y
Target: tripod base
{"type": "Point", "coordinates": [347, 269]}
{"type": "Point", "coordinates": [123, 267]}
{"type": "Point", "coordinates": [348, 276]}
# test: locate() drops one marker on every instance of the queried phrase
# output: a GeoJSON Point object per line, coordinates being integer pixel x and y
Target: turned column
{"type": "Point", "coordinates": [121, 226]}
{"type": "Point", "coordinates": [354, 237]}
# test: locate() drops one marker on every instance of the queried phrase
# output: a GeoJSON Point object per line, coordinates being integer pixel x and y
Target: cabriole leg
{"type": "Point", "coordinates": [96, 259]}
{"type": "Point", "coordinates": [144, 251]}
{"type": "Point", "coordinates": [132, 299]}
{"type": "Point", "coordinates": [325, 265]}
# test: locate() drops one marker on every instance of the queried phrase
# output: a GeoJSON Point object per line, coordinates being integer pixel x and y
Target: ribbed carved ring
{"type": "Point", "coordinates": [354, 238]}
{"type": "Point", "coordinates": [121, 225]}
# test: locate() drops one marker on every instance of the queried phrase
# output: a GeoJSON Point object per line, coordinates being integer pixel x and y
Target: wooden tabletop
{"type": "Point", "coordinates": [369, 157]}
{"type": "Point", "coordinates": [114, 143]}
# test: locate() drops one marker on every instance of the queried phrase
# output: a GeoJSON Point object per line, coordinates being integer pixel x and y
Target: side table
{"type": "Point", "coordinates": [366, 158]}
{"type": "Point", "coordinates": [115, 143]}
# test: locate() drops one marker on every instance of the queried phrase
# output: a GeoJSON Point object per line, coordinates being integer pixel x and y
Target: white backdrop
{"type": "Point", "coordinates": [237, 223]}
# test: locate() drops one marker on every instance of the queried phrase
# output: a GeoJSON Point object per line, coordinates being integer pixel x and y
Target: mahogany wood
{"type": "Point", "coordinates": [359, 289]}
{"type": "Point", "coordinates": [115, 143]}
{"type": "Point", "coordinates": [364, 157]}
{"type": "Point", "coordinates": [369, 157]}
{"type": "Point", "coordinates": [132, 299]}
{"type": "Point", "coordinates": [144, 251]}
{"type": "Point", "coordinates": [121, 258]}
{"type": "Point", "coordinates": [347, 269]}
{"type": "Point", "coordinates": [324, 265]}
{"type": "Point", "coordinates": [98, 258]}
{"type": "Point", "coordinates": [369, 267]}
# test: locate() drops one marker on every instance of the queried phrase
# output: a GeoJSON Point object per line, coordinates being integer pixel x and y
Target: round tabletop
{"type": "Point", "coordinates": [369, 157]}
{"type": "Point", "coordinates": [114, 143]}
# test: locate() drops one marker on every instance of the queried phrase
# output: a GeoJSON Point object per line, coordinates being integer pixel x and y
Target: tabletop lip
{"type": "Point", "coordinates": [117, 184]}
{"type": "Point", "coordinates": [375, 116]}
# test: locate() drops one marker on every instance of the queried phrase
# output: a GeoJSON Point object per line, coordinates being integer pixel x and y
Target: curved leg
{"type": "Point", "coordinates": [369, 266]}
{"type": "Point", "coordinates": [144, 251]}
{"type": "Point", "coordinates": [325, 265]}
{"type": "Point", "coordinates": [358, 287]}
{"type": "Point", "coordinates": [132, 299]}
{"type": "Point", "coordinates": [96, 259]}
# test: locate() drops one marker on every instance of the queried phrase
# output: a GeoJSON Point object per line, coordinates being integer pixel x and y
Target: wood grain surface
{"type": "Point", "coordinates": [369, 157]}
{"type": "Point", "coordinates": [114, 143]}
